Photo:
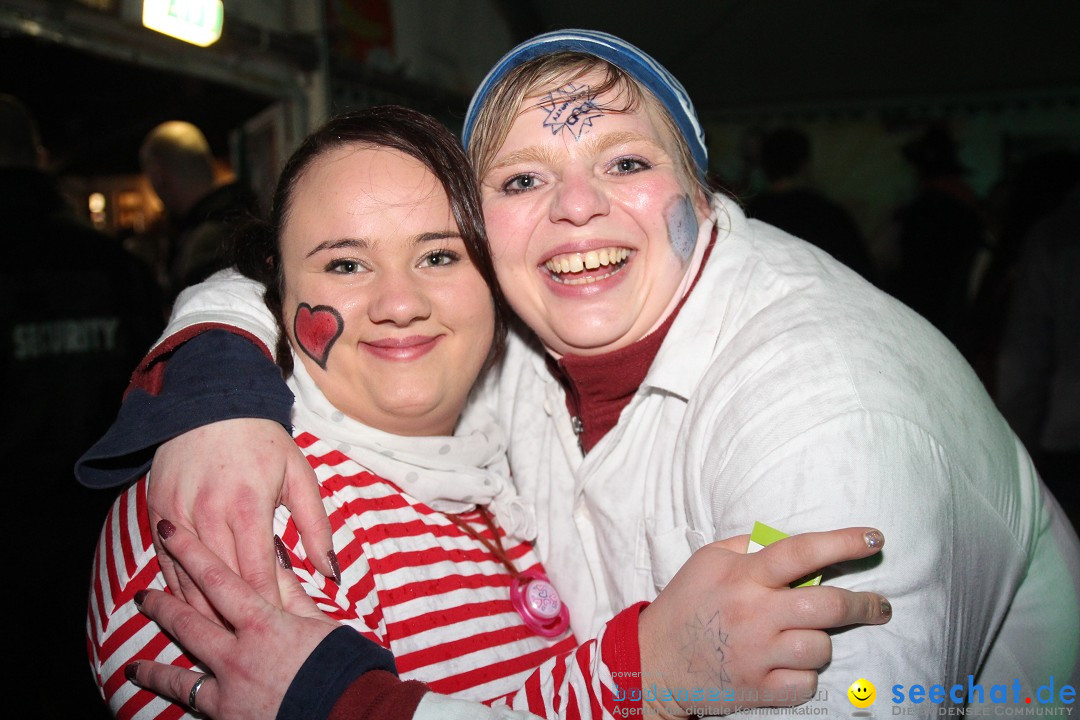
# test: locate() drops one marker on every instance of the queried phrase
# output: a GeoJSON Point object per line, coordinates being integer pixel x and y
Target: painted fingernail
{"type": "Point", "coordinates": [165, 529]}
{"type": "Point", "coordinates": [282, 554]}
{"type": "Point", "coordinates": [873, 538]}
{"type": "Point", "coordinates": [140, 596]}
{"type": "Point", "coordinates": [332, 557]}
{"type": "Point", "coordinates": [886, 609]}
{"type": "Point", "coordinates": [129, 671]}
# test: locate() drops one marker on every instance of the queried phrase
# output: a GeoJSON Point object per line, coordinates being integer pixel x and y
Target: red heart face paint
{"type": "Point", "coordinates": [400, 328]}
{"type": "Point", "coordinates": [316, 330]}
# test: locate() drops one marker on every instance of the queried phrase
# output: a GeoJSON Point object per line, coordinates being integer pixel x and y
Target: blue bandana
{"type": "Point", "coordinates": [651, 74]}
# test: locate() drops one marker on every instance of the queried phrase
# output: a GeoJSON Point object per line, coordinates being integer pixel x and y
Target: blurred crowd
{"type": "Point", "coordinates": [998, 275]}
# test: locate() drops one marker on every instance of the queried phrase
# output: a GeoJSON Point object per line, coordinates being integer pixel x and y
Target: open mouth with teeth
{"type": "Point", "coordinates": [587, 267]}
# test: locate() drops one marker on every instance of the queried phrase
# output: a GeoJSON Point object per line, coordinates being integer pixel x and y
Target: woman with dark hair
{"type": "Point", "coordinates": [380, 278]}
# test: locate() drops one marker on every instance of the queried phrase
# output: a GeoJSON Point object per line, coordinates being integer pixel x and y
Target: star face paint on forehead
{"type": "Point", "coordinates": [571, 108]}
{"type": "Point", "coordinates": [316, 330]}
{"type": "Point", "coordinates": [682, 227]}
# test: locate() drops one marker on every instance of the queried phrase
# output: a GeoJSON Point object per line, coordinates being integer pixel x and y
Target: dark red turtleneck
{"type": "Point", "coordinates": [598, 387]}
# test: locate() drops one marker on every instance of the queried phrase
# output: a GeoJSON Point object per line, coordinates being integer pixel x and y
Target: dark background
{"type": "Point", "coordinates": [734, 56]}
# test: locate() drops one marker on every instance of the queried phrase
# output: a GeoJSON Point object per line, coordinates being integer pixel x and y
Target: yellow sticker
{"type": "Point", "coordinates": [763, 535]}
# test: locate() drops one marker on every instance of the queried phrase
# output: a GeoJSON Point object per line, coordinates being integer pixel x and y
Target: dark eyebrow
{"type": "Point", "coordinates": [357, 243]}
{"type": "Point", "coordinates": [362, 244]}
{"type": "Point", "coordinates": [436, 236]}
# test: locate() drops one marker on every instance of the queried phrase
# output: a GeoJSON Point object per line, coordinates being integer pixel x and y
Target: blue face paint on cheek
{"type": "Point", "coordinates": [682, 227]}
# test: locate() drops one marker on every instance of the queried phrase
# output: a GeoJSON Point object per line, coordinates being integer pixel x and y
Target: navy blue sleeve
{"type": "Point", "coordinates": [342, 657]}
{"type": "Point", "coordinates": [214, 376]}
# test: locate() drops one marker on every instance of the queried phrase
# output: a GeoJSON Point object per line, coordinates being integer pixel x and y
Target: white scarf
{"type": "Point", "coordinates": [451, 474]}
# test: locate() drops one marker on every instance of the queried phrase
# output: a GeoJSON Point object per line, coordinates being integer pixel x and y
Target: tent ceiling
{"type": "Point", "coordinates": [734, 55]}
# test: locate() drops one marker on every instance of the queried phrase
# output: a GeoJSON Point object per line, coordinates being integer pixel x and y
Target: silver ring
{"type": "Point", "coordinates": [195, 691]}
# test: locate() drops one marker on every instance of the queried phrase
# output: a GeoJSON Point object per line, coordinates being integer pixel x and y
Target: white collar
{"type": "Point", "coordinates": [690, 345]}
{"type": "Point", "coordinates": [451, 474]}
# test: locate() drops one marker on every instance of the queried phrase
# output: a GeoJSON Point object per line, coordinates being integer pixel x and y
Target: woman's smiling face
{"type": "Point", "coordinates": [380, 300]}
{"type": "Point", "coordinates": [591, 223]}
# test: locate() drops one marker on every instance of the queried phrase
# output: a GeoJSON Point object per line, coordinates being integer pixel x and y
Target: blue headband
{"type": "Point", "coordinates": [651, 74]}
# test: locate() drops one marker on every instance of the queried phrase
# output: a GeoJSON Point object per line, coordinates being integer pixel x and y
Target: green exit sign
{"type": "Point", "coordinates": [195, 21]}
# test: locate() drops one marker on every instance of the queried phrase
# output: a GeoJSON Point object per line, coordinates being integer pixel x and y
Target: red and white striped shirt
{"type": "Point", "coordinates": [412, 581]}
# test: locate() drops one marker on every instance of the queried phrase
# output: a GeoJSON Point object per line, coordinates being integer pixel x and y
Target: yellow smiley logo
{"type": "Point", "coordinates": [862, 693]}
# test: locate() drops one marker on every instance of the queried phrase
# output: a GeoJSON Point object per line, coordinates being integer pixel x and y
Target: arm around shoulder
{"type": "Point", "coordinates": [215, 376]}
